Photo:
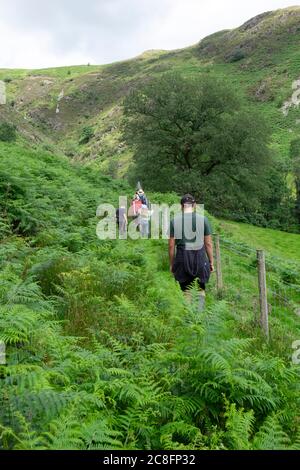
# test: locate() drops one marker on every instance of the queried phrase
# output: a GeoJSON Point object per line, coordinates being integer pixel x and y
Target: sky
{"type": "Point", "coordinates": [49, 33]}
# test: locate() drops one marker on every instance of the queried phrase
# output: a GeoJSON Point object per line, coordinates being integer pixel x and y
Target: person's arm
{"type": "Point", "coordinates": [209, 251]}
{"type": "Point", "coordinates": [171, 252]}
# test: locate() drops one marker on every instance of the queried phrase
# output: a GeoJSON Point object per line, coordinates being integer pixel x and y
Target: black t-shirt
{"type": "Point", "coordinates": [189, 229]}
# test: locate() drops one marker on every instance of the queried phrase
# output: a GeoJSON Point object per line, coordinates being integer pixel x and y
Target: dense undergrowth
{"type": "Point", "coordinates": [102, 350]}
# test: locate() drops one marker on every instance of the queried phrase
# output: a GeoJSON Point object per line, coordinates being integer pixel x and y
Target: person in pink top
{"type": "Point", "coordinates": [137, 205]}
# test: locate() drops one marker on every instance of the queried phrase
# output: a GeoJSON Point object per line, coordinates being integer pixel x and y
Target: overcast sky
{"type": "Point", "coordinates": [36, 33]}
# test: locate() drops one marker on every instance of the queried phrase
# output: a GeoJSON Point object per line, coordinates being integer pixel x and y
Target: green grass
{"type": "Point", "coordinates": [104, 351]}
{"type": "Point", "coordinates": [55, 72]}
{"type": "Point", "coordinates": [13, 73]}
{"type": "Point", "coordinates": [274, 242]}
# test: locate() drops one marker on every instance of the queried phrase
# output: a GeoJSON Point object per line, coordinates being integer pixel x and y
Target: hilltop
{"type": "Point", "coordinates": [256, 39]}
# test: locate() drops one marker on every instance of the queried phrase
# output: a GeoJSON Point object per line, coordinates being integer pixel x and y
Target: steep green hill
{"type": "Point", "coordinates": [261, 58]}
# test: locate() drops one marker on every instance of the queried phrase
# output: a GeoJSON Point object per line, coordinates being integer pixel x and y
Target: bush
{"type": "Point", "coordinates": [86, 135]}
{"type": "Point", "coordinates": [7, 132]}
{"type": "Point", "coordinates": [237, 55]}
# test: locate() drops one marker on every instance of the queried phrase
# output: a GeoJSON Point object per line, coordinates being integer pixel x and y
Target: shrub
{"type": "Point", "coordinates": [237, 55]}
{"type": "Point", "coordinates": [7, 132]}
{"type": "Point", "coordinates": [86, 135]}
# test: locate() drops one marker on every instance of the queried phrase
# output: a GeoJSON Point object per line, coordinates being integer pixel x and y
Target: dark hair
{"type": "Point", "coordinates": [187, 199]}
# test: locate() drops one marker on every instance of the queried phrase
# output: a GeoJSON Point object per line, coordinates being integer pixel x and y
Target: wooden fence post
{"type": "Point", "coordinates": [262, 284]}
{"type": "Point", "coordinates": [218, 265]}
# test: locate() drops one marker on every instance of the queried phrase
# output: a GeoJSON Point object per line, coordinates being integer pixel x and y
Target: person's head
{"type": "Point", "coordinates": [188, 202]}
{"type": "Point", "coordinates": [140, 192]}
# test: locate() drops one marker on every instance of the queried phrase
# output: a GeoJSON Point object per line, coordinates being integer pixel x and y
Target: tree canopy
{"type": "Point", "coordinates": [197, 135]}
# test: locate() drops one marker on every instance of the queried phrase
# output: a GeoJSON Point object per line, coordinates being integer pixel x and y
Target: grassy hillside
{"type": "Point", "coordinates": [274, 242]}
{"type": "Point", "coordinates": [261, 58]}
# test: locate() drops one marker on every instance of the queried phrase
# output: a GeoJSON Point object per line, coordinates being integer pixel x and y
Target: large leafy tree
{"type": "Point", "coordinates": [196, 135]}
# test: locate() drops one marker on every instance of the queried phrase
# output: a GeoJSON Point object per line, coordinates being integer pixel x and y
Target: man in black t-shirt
{"type": "Point", "coordinates": [190, 233]}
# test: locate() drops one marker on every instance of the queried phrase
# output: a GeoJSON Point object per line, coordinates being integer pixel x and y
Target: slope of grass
{"type": "Point", "coordinates": [274, 242]}
{"type": "Point", "coordinates": [102, 349]}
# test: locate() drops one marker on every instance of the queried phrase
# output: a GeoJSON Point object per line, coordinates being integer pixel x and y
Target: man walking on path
{"type": "Point", "coordinates": [190, 233]}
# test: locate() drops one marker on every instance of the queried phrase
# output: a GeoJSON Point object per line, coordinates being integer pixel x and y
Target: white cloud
{"type": "Point", "coordinates": [64, 32]}
{"type": "Point", "coordinates": [25, 50]}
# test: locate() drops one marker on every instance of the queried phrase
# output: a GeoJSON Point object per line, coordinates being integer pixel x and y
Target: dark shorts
{"type": "Point", "coordinates": [190, 265]}
{"type": "Point", "coordinates": [187, 285]}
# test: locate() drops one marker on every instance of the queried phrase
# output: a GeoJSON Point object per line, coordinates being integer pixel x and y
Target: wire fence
{"type": "Point", "coordinates": [240, 278]}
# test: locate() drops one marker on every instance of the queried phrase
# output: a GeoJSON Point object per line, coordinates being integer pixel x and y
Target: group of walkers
{"type": "Point", "coordinates": [139, 211]}
{"type": "Point", "coordinates": [190, 241]}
